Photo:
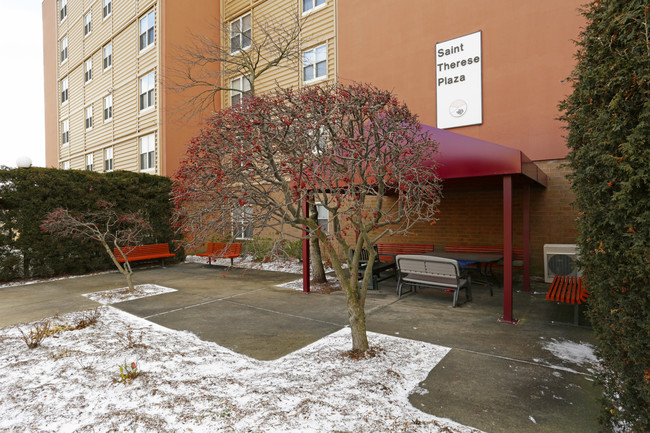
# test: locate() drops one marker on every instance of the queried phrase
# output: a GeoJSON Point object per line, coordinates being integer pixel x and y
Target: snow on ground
{"type": "Point", "coordinates": [69, 383]}
{"type": "Point", "coordinates": [247, 262]}
{"type": "Point", "coordinates": [114, 296]}
{"type": "Point", "coordinates": [575, 353]}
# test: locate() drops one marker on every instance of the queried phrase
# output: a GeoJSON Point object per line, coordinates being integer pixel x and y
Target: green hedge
{"type": "Point", "coordinates": [608, 117]}
{"type": "Point", "coordinates": [26, 195]}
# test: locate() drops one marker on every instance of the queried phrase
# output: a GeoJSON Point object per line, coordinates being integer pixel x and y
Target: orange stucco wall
{"type": "Point", "coordinates": [527, 52]}
{"type": "Point", "coordinates": [198, 17]}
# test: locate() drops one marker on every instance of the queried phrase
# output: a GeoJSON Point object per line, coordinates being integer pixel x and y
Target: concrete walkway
{"type": "Point", "coordinates": [498, 378]}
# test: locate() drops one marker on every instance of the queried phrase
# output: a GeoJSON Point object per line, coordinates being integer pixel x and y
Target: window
{"type": "Point", "coordinates": [88, 75]}
{"type": "Point", "coordinates": [323, 217]}
{"type": "Point", "coordinates": [64, 49]}
{"type": "Point", "coordinates": [147, 152]}
{"type": "Point", "coordinates": [147, 91]}
{"type": "Point", "coordinates": [308, 5]}
{"type": "Point", "coordinates": [108, 108]}
{"type": "Point", "coordinates": [64, 90]}
{"type": "Point", "coordinates": [89, 117]}
{"type": "Point", "coordinates": [240, 33]}
{"type": "Point", "coordinates": [239, 88]}
{"type": "Point", "coordinates": [108, 159]}
{"type": "Point", "coordinates": [147, 30]}
{"type": "Point", "coordinates": [314, 63]}
{"type": "Point", "coordinates": [88, 25]}
{"type": "Point", "coordinates": [65, 132]}
{"type": "Point", "coordinates": [64, 10]}
{"type": "Point", "coordinates": [242, 219]}
{"type": "Point", "coordinates": [89, 162]}
{"type": "Point", "coordinates": [108, 55]}
{"type": "Point", "coordinates": [107, 8]}
{"type": "Point", "coordinates": [65, 165]}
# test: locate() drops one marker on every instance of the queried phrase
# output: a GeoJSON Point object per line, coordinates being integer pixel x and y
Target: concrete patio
{"type": "Point", "coordinates": [497, 377]}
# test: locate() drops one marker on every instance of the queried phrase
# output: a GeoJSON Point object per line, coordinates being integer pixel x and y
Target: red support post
{"type": "Point", "coordinates": [305, 251]}
{"type": "Point", "coordinates": [507, 252]}
{"type": "Point", "coordinates": [526, 237]}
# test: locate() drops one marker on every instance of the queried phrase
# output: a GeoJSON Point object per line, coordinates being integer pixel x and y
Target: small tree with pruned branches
{"type": "Point", "coordinates": [105, 225]}
{"type": "Point", "coordinates": [355, 150]}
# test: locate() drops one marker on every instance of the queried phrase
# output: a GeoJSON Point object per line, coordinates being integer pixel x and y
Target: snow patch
{"type": "Point", "coordinates": [114, 296]}
{"type": "Point", "coordinates": [569, 351]}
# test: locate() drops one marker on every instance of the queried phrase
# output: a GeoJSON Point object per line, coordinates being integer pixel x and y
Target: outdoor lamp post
{"type": "Point", "coordinates": [23, 162]}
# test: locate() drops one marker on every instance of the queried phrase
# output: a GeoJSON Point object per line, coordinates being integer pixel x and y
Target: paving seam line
{"type": "Point", "coordinates": [552, 367]}
{"type": "Point", "coordinates": [162, 313]}
{"type": "Point", "coordinates": [287, 314]}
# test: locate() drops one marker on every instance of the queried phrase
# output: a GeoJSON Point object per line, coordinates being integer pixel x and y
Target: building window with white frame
{"type": "Point", "coordinates": [64, 90]}
{"type": "Point", "coordinates": [65, 132]}
{"type": "Point", "coordinates": [240, 33]}
{"type": "Point", "coordinates": [88, 114]}
{"type": "Point", "coordinates": [64, 49]}
{"type": "Point", "coordinates": [147, 91]}
{"type": "Point", "coordinates": [88, 23]}
{"type": "Point", "coordinates": [314, 63]}
{"type": "Point", "coordinates": [107, 8]}
{"type": "Point", "coordinates": [308, 5]}
{"type": "Point", "coordinates": [88, 68]}
{"type": "Point", "coordinates": [323, 217]}
{"type": "Point", "coordinates": [65, 165]}
{"type": "Point", "coordinates": [239, 89]}
{"type": "Point", "coordinates": [108, 159]}
{"type": "Point", "coordinates": [108, 108]}
{"type": "Point", "coordinates": [242, 218]}
{"type": "Point", "coordinates": [108, 55]}
{"type": "Point", "coordinates": [148, 152]}
{"type": "Point", "coordinates": [89, 162]}
{"type": "Point", "coordinates": [64, 9]}
{"type": "Point", "coordinates": [147, 27]}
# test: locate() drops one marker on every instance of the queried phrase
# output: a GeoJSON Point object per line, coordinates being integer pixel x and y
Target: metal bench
{"type": "Point", "coordinates": [568, 290]}
{"type": "Point", "coordinates": [217, 250]}
{"type": "Point", "coordinates": [428, 271]}
{"type": "Point", "coordinates": [377, 267]}
{"type": "Point", "coordinates": [143, 252]}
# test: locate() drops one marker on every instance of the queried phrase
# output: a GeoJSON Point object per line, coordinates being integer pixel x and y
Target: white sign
{"type": "Point", "coordinates": [459, 90]}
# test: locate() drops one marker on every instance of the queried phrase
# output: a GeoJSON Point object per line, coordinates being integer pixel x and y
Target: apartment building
{"type": "Point", "coordinates": [107, 106]}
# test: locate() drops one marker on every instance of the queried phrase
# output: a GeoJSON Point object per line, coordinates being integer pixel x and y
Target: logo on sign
{"type": "Point", "coordinates": [458, 108]}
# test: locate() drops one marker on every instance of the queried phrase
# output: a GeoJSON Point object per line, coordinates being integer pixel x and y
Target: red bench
{"type": "Point", "coordinates": [216, 250]}
{"type": "Point", "coordinates": [568, 290]}
{"type": "Point", "coordinates": [143, 252]}
{"type": "Point", "coordinates": [388, 252]}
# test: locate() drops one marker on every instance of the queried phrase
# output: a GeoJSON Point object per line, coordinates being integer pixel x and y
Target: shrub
{"type": "Point", "coordinates": [27, 195]}
{"type": "Point", "coordinates": [608, 117]}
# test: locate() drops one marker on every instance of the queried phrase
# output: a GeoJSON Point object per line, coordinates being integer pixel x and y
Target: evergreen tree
{"type": "Point", "coordinates": [608, 118]}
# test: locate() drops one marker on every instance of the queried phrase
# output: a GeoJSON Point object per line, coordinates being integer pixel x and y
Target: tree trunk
{"type": "Point", "coordinates": [129, 280]}
{"type": "Point", "coordinates": [318, 270]}
{"type": "Point", "coordinates": [357, 324]}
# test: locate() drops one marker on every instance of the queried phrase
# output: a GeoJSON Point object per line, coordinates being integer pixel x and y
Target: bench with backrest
{"type": "Point", "coordinates": [428, 271]}
{"type": "Point", "coordinates": [219, 250]}
{"type": "Point", "coordinates": [143, 252]}
{"type": "Point", "coordinates": [568, 290]}
{"type": "Point", "coordinates": [388, 252]}
{"type": "Point", "coordinates": [378, 267]}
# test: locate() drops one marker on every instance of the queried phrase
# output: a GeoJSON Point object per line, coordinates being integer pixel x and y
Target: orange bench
{"type": "Point", "coordinates": [568, 290]}
{"type": "Point", "coordinates": [217, 250]}
{"type": "Point", "coordinates": [388, 252]}
{"type": "Point", "coordinates": [143, 252]}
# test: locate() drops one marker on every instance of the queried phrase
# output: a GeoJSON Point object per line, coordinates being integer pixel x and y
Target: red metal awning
{"type": "Point", "coordinates": [460, 156]}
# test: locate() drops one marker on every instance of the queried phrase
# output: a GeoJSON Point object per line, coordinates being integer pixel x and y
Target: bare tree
{"type": "Point", "coordinates": [105, 225]}
{"type": "Point", "coordinates": [356, 150]}
{"type": "Point", "coordinates": [235, 59]}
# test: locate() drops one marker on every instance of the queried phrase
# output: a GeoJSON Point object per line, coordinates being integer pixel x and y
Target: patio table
{"type": "Point", "coordinates": [484, 261]}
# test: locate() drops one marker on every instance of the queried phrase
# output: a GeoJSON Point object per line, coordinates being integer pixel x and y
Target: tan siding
{"type": "Point", "coordinates": [75, 43]}
{"type": "Point", "coordinates": [125, 155]}
{"type": "Point", "coordinates": [77, 163]}
{"type": "Point", "coordinates": [123, 12]}
{"type": "Point", "coordinates": [232, 9]}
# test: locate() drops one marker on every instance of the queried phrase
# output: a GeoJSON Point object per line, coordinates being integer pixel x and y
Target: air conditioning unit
{"type": "Point", "coordinates": [560, 259]}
